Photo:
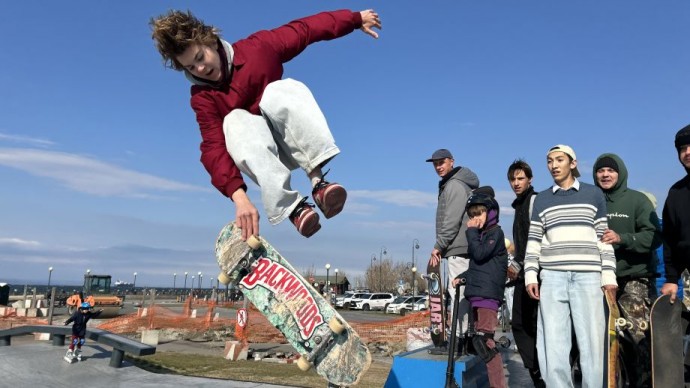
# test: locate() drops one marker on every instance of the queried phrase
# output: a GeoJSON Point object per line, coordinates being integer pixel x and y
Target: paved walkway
{"type": "Point", "coordinates": [39, 363]}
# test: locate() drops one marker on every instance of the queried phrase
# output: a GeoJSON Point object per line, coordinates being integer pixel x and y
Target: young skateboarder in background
{"type": "Point", "coordinates": [80, 318]}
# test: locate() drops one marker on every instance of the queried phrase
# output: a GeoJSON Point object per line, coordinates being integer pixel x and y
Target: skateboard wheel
{"type": "Point", "coordinates": [254, 242]}
{"type": "Point", "coordinates": [336, 326]}
{"type": "Point", "coordinates": [303, 364]}
{"type": "Point", "coordinates": [621, 322]}
{"type": "Point", "coordinates": [223, 278]}
{"type": "Point", "coordinates": [643, 325]}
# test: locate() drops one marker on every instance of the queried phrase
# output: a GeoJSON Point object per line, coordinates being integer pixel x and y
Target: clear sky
{"type": "Point", "coordinates": [99, 149]}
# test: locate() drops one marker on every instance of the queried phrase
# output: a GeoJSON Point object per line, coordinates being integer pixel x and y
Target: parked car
{"type": "Point", "coordinates": [373, 301]}
{"type": "Point", "coordinates": [345, 300]}
{"type": "Point", "coordinates": [340, 299]}
{"type": "Point", "coordinates": [421, 304]}
{"type": "Point", "coordinates": [403, 304]}
{"type": "Point", "coordinates": [394, 306]}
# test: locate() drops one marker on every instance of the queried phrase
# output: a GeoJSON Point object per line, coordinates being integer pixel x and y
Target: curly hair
{"type": "Point", "coordinates": [175, 31]}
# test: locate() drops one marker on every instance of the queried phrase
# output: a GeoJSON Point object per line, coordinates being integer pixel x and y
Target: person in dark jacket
{"type": "Point", "coordinates": [253, 121]}
{"type": "Point", "coordinates": [676, 220]}
{"type": "Point", "coordinates": [635, 234]}
{"type": "Point", "coordinates": [486, 279]}
{"type": "Point", "coordinates": [524, 308]}
{"type": "Point", "coordinates": [80, 318]}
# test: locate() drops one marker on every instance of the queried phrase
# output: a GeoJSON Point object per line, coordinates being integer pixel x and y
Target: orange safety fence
{"type": "Point", "coordinates": [257, 330]}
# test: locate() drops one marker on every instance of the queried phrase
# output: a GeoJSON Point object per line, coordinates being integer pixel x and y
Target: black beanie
{"type": "Point", "coordinates": [683, 137]}
{"type": "Point", "coordinates": [606, 161]}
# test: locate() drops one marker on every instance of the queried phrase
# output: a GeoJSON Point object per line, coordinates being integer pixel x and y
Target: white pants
{"type": "Point", "coordinates": [290, 133]}
{"type": "Point", "coordinates": [456, 266]}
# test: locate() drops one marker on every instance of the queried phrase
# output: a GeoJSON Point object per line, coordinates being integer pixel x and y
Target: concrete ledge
{"type": "Point", "coordinates": [119, 343]}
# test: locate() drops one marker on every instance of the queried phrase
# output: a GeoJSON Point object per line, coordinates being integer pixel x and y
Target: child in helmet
{"type": "Point", "coordinates": [486, 277]}
{"type": "Point", "coordinates": [80, 318]}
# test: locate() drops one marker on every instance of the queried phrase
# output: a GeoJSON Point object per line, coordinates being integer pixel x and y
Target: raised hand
{"type": "Point", "coordinates": [370, 19]}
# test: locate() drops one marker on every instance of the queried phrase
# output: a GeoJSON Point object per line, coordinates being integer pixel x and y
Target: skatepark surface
{"type": "Point", "coordinates": [40, 364]}
{"type": "Point", "coordinates": [29, 362]}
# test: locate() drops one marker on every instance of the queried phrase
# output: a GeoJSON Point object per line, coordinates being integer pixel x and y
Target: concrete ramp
{"type": "Point", "coordinates": [41, 364]}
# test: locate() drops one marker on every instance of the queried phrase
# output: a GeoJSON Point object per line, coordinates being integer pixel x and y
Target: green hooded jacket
{"type": "Point", "coordinates": [631, 214]}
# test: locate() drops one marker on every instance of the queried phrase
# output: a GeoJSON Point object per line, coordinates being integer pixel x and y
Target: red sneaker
{"type": "Point", "coordinates": [329, 197]}
{"type": "Point", "coordinates": [305, 219]}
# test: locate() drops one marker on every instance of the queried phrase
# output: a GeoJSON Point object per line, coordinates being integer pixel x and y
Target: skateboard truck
{"type": "Point", "coordinates": [335, 327]}
{"type": "Point", "coordinates": [243, 265]}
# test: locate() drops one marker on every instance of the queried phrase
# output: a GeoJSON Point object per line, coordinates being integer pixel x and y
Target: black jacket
{"type": "Point", "coordinates": [521, 223]}
{"type": "Point", "coordinates": [676, 229]}
{"type": "Point", "coordinates": [486, 276]}
{"type": "Point", "coordinates": [80, 319]}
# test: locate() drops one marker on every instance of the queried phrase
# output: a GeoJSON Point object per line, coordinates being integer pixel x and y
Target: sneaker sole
{"type": "Point", "coordinates": [309, 226]}
{"type": "Point", "coordinates": [336, 197]}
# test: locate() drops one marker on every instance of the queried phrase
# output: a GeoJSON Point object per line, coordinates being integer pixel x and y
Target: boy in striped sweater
{"type": "Point", "coordinates": [564, 250]}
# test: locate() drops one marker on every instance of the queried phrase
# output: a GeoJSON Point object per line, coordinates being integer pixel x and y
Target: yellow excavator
{"type": "Point", "coordinates": [98, 295]}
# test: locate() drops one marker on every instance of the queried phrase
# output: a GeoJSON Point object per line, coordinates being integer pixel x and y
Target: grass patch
{"type": "Point", "coordinates": [256, 371]}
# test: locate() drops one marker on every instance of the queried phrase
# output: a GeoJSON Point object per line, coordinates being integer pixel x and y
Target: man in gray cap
{"type": "Point", "coordinates": [454, 190]}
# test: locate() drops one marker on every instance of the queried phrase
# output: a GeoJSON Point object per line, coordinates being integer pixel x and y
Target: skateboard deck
{"type": "Point", "coordinates": [308, 322]}
{"type": "Point", "coordinates": [667, 343]}
{"type": "Point", "coordinates": [611, 367]}
{"type": "Point", "coordinates": [70, 360]}
{"type": "Point", "coordinates": [437, 306]}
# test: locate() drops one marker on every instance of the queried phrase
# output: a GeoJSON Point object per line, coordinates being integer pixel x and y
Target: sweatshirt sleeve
{"type": "Point", "coordinates": [225, 175]}
{"type": "Point", "coordinates": [291, 39]}
{"type": "Point", "coordinates": [455, 195]}
{"type": "Point", "coordinates": [672, 268]}
{"type": "Point", "coordinates": [647, 235]}
{"type": "Point", "coordinates": [534, 240]}
{"type": "Point", "coordinates": [608, 258]}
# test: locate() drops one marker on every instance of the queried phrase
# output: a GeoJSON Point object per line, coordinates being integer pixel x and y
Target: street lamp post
{"type": "Point", "coordinates": [191, 286]}
{"type": "Point", "coordinates": [415, 246]}
{"type": "Point", "coordinates": [328, 287]}
{"type": "Point", "coordinates": [185, 281]}
{"type": "Point", "coordinates": [199, 279]}
{"type": "Point", "coordinates": [134, 284]}
{"type": "Point", "coordinates": [174, 280]}
{"type": "Point", "coordinates": [337, 290]}
{"type": "Point", "coordinates": [383, 252]}
{"type": "Point", "coordinates": [50, 273]}
{"type": "Point", "coordinates": [371, 265]}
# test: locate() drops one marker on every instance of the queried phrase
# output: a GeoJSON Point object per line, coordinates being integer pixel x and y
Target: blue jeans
{"type": "Point", "coordinates": [571, 297]}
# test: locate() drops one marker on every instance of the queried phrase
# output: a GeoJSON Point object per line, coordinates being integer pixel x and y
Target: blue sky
{"type": "Point", "coordinates": [99, 159]}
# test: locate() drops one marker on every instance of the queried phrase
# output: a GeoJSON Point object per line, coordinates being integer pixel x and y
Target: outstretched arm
{"type": "Point", "coordinates": [370, 20]}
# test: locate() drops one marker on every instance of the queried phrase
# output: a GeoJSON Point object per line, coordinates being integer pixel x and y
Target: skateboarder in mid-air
{"type": "Point", "coordinates": [254, 122]}
{"type": "Point", "coordinates": [80, 318]}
